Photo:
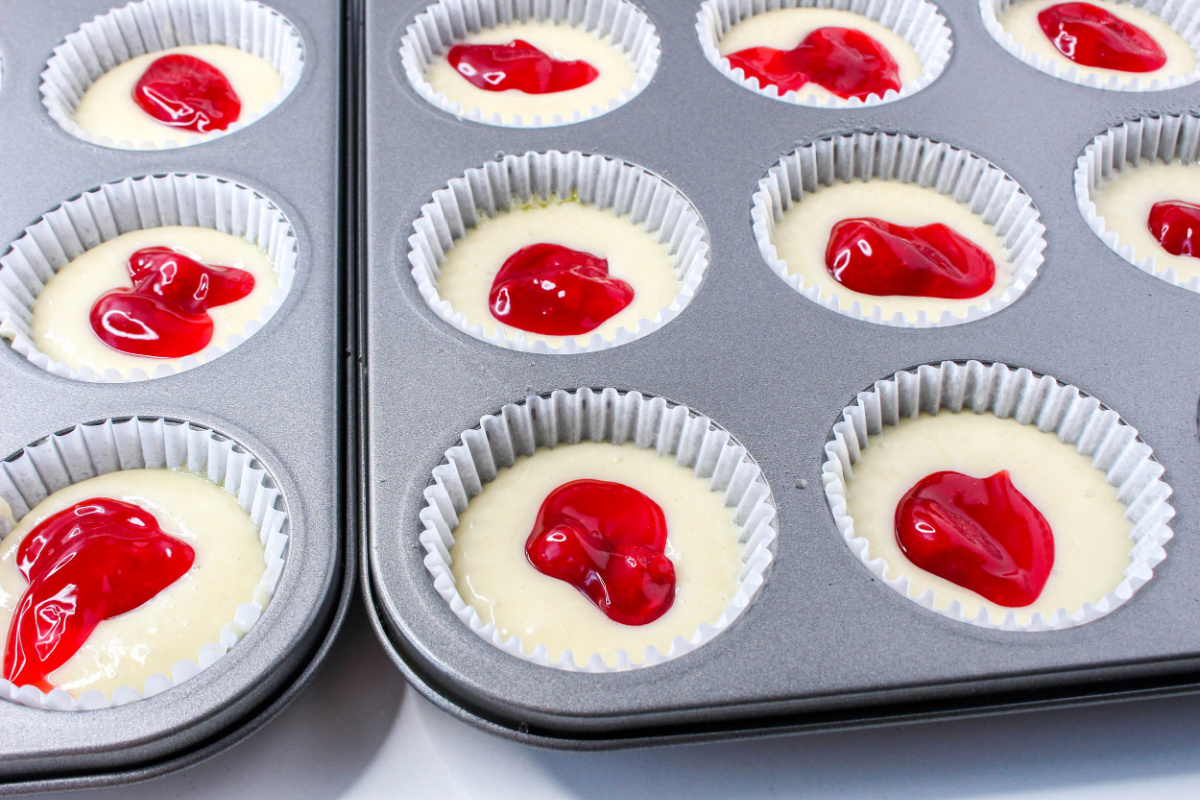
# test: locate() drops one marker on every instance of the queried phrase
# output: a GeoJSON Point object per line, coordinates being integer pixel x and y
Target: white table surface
{"type": "Point", "coordinates": [358, 732]}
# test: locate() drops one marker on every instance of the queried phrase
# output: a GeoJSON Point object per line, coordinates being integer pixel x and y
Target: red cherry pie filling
{"type": "Point", "coordinates": [875, 257]}
{"type": "Point", "coordinates": [182, 91]}
{"type": "Point", "coordinates": [607, 540]}
{"type": "Point", "coordinates": [847, 62]}
{"type": "Point", "coordinates": [96, 560]}
{"type": "Point", "coordinates": [981, 534]}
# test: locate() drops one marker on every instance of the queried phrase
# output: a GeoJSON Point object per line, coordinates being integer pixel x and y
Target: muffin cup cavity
{"type": "Point", "coordinates": [618, 22]}
{"type": "Point", "coordinates": [969, 179]}
{"type": "Point", "coordinates": [1166, 139]}
{"type": "Point", "coordinates": [918, 22]}
{"type": "Point", "coordinates": [144, 203]}
{"type": "Point", "coordinates": [629, 191]}
{"type": "Point", "coordinates": [604, 415]}
{"type": "Point", "coordinates": [148, 26]}
{"type": "Point", "coordinates": [98, 448]}
{"type": "Point", "coordinates": [1181, 15]}
{"type": "Point", "coordinates": [1029, 399]}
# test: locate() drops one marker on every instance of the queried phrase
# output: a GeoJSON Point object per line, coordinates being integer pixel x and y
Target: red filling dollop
{"type": "Point", "coordinates": [1090, 35]}
{"type": "Point", "coordinates": [607, 540]}
{"type": "Point", "coordinates": [1176, 226]}
{"type": "Point", "coordinates": [983, 535]}
{"type": "Point", "coordinates": [165, 314]}
{"type": "Point", "coordinates": [518, 65]}
{"type": "Point", "coordinates": [875, 257]}
{"type": "Point", "coordinates": [556, 291]}
{"type": "Point", "coordinates": [845, 61]}
{"type": "Point", "coordinates": [93, 561]}
{"type": "Point", "coordinates": [184, 92]}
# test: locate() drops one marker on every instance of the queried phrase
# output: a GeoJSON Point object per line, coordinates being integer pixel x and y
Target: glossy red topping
{"type": "Point", "coordinates": [607, 540]}
{"type": "Point", "coordinates": [845, 61]}
{"type": "Point", "coordinates": [93, 561]}
{"type": "Point", "coordinates": [184, 92]}
{"type": "Point", "coordinates": [875, 257]}
{"type": "Point", "coordinates": [1095, 37]}
{"type": "Point", "coordinates": [1176, 226]}
{"type": "Point", "coordinates": [165, 314]}
{"type": "Point", "coordinates": [983, 535]}
{"type": "Point", "coordinates": [556, 291]}
{"type": "Point", "coordinates": [518, 65]}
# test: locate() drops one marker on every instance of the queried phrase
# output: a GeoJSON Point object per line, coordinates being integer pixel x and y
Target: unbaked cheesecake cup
{"type": "Point", "coordinates": [445, 23]}
{"type": "Point", "coordinates": [918, 22]}
{"type": "Point", "coordinates": [149, 26]}
{"type": "Point", "coordinates": [565, 418]}
{"type": "Point", "coordinates": [627, 190]}
{"type": "Point", "coordinates": [1076, 418]}
{"type": "Point", "coordinates": [111, 445]}
{"type": "Point", "coordinates": [144, 203]}
{"type": "Point", "coordinates": [1168, 139]}
{"type": "Point", "coordinates": [1182, 15]}
{"type": "Point", "coordinates": [970, 180]}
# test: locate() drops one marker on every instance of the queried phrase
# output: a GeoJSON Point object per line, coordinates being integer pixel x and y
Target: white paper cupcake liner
{"type": "Point", "coordinates": [148, 26]}
{"type": "Point", "coordinates": [918, 21]}
{"type": "Point", "coordinates": [967, 178]}
{"type": "Point", "coordinates": [605, 415]}
{"type": "Point", "coordinates": [1182, 15]}
{"type": "Point", "coordinates": [1128, 146]}
{"type": "Point", "coordinates": [92, 449]}
{"type": "Point", "coordinates": [1077, 419]}
{"type": "Point", "coordinates": [607, 183]}
{"type": "Point", "coordinates": [108, 211]}
{"type": "Point", "coordinates": [439, 27]}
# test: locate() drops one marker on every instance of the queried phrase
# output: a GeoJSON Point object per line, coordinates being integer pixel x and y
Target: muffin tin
{"type": "Point", "coordinates": [281, 396]}
{"type": "Point", "coordinates": [824, 644]}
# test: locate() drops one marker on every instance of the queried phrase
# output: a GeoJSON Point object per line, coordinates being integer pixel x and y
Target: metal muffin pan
{"type": "Point", "coordinates": [281, 395]}
{"type": "Point", "coordinates": [824, 644]}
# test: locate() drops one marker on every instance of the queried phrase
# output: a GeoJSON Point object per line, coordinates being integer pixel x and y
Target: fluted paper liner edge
{"type": "Point", "coordinates": [957, 173]}
{"type": "Point", "coordinates": [629, 191]}
{"type": "Point", "coordinates": [569, 417]}
{"type": "Point", "coordinates": [144, 203]}
{"type": "Point", "coordinates": [1172, 137]}
{"type": "Point", "coordinates": [90, 449]}
{"type": "Point", "coordinates": [619, 22]}
{"type": "Point", "coordinates": [1029, 399]}
{"type": "Point", "coordinates": [918, 22]}
{"type": "Point", "coordinates": [1179, 15]}
{"type": "Point", "coordinates": [149, 26]}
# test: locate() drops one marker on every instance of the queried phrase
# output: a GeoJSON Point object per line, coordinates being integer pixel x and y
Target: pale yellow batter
{"type": "Point", "coordinates": [1125, 202]}
{"type": "Point", "coordinates": [634, 255]}
{"type": "Point", "coordinates": [1091, 534]}
{"type": "Point", "coordinates": [107, 107]}
{"type": "Point", "coordinates": [802, 236]}
{"type": "Point", "coordinates": [188, 614]}
{"type": "Point", "coordinates": [494, 576]}
{"type": "Point", "coordinates": [61, 313]}
{"type": "Point", "coordinates": [785, 28]}
{"type": "Point", "coordinates": [1021, 21]}
{"type": "Point", "coordinates": [562, 42]}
